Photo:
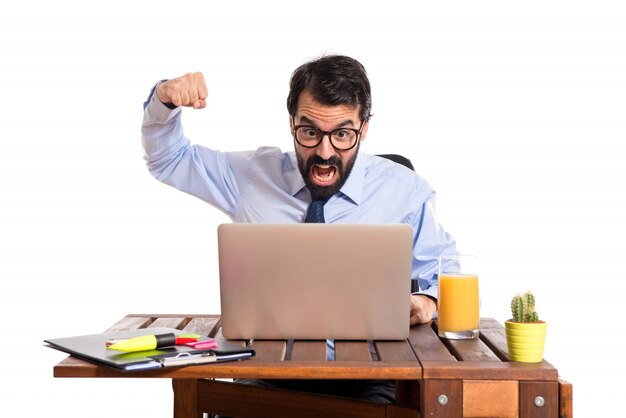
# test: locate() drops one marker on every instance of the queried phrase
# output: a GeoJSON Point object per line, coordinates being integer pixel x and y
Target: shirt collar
{"type": "Point", "coordinates": [296, 182]}
{"type": "Point", "coordinates": [352, 188]}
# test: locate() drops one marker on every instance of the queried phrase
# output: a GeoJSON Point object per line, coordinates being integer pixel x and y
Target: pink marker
{"type": "Point", "coordinates": [202, 345]}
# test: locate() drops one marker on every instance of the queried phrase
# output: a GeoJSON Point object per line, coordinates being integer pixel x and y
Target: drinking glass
{"type": "Point", "coordinates": [458, 302]}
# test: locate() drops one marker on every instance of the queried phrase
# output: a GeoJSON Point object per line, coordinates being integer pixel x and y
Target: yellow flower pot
{"type": "Point", "coordinates": [525, 340]}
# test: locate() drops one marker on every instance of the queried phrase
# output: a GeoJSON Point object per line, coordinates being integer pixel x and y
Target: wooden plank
{"type": "Point", "coordinates": [267, 350]}
{"type": "Point", "coordinates": [186, 398]}
{"type": "Point", "coordinates": [493, 334]}
{"type": "Point", "coordinates": [427, 346]}
{"type": "Point", "coordinates": [207, 327]}
{"type": "Point", "coordinates": [352, 351]}
{"type": "Point", "coordinates": [566, 399]}
{"type": "Point", "coordinates": [131, 322]}
{"type": "Point", "coordinates": [538, 399]}
{"type": "Point", "coordinates": [434, 405]}
{"type": "Point", "coordinates": [308, 351]}
{"type": "Point", "coordinates": [234, 399]}
{"type": "Point", "coordinates": [169, 322]}
{"type": "Point", "coordinates": [392, 351]}
{"type": "Point", "coordinates": [490, 398]}
{"type": "Point", "coordinates": [249, 369]}
{"type": "Point", "coordinates": [489, 370]}
{"type": "Point", "coordinates": [471, 350]}
{"type": "Point", "coordinates": [307, 370]}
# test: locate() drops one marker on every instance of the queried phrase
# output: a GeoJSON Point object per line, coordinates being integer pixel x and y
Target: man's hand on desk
{"type": "Point", "coordinates": [422, 309]}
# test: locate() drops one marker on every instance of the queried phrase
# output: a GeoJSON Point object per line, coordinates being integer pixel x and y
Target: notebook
{"type": "Point", "coordinates": [92, 348]}
{"type": "Point", "coordinates": [315, 281]}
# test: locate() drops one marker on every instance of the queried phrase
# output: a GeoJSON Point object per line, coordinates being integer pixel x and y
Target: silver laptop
{"type": "Point", "coordinates": [315, 281]}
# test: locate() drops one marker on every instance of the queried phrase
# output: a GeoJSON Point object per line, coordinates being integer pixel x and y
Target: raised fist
{"type": "Point", "coordinates": [189, 90]}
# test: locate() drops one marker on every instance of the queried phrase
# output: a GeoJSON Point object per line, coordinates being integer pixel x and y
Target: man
{"type": "Point", "coordinates": [329, 106]}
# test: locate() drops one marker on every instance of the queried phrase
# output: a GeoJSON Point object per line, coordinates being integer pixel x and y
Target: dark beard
{"type": "Point", "coordinates": [325, 192]}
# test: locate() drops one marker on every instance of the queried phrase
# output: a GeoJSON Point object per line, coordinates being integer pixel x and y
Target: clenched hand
{"type": "Point", "coordinates": [422, 309]}
{"type": "Point", "coordinates": [189, 90]}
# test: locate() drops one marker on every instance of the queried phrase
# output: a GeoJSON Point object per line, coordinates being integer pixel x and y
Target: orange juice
{"type": "Point", "coordinates": [458, 305]}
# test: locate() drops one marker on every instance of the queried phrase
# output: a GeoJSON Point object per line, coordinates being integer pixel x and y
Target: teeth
{"type": "Point", "coordinates": [322, 178]}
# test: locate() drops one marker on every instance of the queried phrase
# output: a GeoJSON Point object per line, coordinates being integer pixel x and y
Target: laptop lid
{"type": "Point", "coordinates": [315, 281]}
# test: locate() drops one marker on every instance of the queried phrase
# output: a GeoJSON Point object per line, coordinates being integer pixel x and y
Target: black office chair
{"type": "Point", "coordinates": [407, 163]}
{"type": "Point", "coordinates": [398, 159]}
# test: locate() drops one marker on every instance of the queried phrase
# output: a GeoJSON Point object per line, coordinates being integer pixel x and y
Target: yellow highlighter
{"type": "Point", "coordinates": [144, 343]}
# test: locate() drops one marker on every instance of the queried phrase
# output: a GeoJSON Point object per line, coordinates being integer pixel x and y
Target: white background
{"type": "Point", "coordinates": [513, 111]}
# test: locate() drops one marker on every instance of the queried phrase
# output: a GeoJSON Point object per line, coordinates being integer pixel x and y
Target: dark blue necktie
{"type": "Point", "coordinates": [315, 214]}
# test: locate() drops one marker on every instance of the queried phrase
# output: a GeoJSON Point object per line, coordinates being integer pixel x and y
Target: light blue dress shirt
{"type": "Point", "coordinates": [265, 186]}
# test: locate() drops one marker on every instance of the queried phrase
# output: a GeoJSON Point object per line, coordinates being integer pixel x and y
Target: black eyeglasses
{"type": "Point", "coordinates": [342, 139]}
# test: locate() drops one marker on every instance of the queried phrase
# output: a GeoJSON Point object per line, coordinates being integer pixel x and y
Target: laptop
{"type": "Point", "coordinates": [315, 281]}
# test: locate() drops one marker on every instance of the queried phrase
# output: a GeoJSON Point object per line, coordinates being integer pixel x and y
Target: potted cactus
{"type": "Point", "coordinates": [525, 333]}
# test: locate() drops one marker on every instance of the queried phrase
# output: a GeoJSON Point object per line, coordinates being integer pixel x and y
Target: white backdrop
{"type": "Point", "coordinates": [513, 111]}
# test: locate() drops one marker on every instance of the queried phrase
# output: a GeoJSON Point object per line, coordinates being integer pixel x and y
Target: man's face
{"type": "Point", "coordinates": [324, 168]}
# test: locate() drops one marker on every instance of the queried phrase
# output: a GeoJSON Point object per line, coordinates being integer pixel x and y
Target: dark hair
{"type": "Point", "coordinates": [332, 80]}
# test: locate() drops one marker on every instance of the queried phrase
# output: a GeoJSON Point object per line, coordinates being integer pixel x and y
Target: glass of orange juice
{"type": "Point", "coordinates": [458, 302]}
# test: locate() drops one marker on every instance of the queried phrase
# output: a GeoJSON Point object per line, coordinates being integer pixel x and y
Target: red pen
{"type": "Point", "coordinates": [178, 340]}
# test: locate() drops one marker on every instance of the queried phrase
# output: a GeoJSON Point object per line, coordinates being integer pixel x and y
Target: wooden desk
{"type": "Point", "coordinates": [435, 377]}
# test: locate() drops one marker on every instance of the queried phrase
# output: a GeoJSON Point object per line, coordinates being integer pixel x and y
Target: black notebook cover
{"type": "Point", "coordinates": [92, 348]}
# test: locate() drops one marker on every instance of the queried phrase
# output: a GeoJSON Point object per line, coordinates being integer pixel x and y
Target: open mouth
{"type": "Point", "coordinates": [323, 175]}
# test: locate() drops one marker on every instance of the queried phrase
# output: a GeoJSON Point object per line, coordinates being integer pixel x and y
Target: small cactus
{"type": "Point", "coordinates": [523, 308]}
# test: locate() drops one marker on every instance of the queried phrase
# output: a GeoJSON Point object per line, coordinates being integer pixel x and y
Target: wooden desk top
{"type": "Point", "coordinates": [422, 356]}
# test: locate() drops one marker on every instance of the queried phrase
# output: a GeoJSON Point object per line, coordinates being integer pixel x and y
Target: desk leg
{"type": "Point", "coordinates": [441, 398]}
{"type": "Point", "coordinates": [566, 408]}
{"type": "Point", "coordinates": [408, 393]}
{"type": "Point", "coordinates": [186, 398]}
{"type": "Point", "coordinates": [407, 400]}
{"type": "Point", "coordinates": [538, 399]}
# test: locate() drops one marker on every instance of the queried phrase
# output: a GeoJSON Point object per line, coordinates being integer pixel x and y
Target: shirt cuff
{"type": "Point", "coordinates": [431, 292]}
{"type": "Point", "coordinates": [161, 111]}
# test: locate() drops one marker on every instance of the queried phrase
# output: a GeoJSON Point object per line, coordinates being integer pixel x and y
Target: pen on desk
{"type": "Point", "coordinates": [179, 340]}
{"type": "Point", "coordinates": [150, 342]}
